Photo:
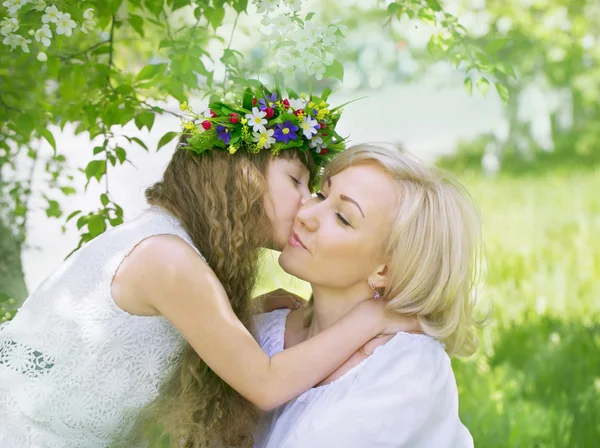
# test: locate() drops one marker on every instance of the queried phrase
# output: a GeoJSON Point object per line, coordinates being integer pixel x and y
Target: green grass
{"type": "Point", "coordinates": [535, 382]}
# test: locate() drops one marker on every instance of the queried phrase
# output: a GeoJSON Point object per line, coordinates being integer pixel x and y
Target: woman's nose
{"type": "Point", "coordinates": [307, 217]}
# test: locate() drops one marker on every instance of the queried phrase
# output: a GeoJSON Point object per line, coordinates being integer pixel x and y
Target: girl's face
{"type": "Point", "coordinates": [288, 189]}
{"type": "Point", "coordinates": [338, 240]}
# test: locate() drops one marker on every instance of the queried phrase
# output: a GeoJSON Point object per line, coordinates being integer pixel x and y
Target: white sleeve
{"type": "Point", "coordinates": [407, 398]}
{"type": "Point", "coordinates": [270, 330]}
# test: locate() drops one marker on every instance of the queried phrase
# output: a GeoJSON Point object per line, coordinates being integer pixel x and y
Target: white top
{"type": "Point", "coordinates": [403, 395]}
{"type": "Point", "coordinates": [75, 369]}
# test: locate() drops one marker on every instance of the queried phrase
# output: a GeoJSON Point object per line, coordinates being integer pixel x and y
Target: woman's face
{"type": "Point", "coordinates": [339, 237]}
{"type": "Point", "coordinates": [288, 190]}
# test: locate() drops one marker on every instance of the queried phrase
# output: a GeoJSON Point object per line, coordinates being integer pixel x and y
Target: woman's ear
{"type": "Point", "coordinates": [380, 276]}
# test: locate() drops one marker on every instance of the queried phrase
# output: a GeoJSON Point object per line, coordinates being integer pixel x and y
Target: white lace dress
{"type": "Point", "coordinates": [403, 396]}
{"type": "Point", "coordinates": [75, 369]}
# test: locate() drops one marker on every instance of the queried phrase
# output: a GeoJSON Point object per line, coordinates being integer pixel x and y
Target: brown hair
{"type": "Point", "coordinates": [219, 199]}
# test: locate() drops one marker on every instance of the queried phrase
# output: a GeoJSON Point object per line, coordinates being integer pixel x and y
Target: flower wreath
{"type": "Point", "coordinates": [266, 120]}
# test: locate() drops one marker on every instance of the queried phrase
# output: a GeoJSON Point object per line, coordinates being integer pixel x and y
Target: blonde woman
{"type": "Point", "coordinates": [384, 225]}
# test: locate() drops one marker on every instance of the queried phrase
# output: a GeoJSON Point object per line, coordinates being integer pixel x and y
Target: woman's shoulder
{"type": "Point", "coordinates": [270, 330]}
{"type": "Point", "coordinates": [414, 359]}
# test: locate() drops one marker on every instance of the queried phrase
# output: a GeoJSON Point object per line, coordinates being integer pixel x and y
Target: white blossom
{"type": "Point", "coordinates": [43, 35]}
{"type": "Point", "coordinates": [263, 6]}
{"type": "Point", "coordinates": [88, 14]}
{"type": "Point", "coordinates": [65, 25]}
{"type": "Point", "coordinates": [8, 26]}
{"type": "Point", "coordinates": [52, 15]}
{"type": "Point", "coordinates": [13, 6]}
{"type": "Point", "coordinates": [294, 5]}
{"type": "Point", "coordinates": [14, 41]}
{"type": "Point", "coordinates": [40, 5]}
{"type": "Point", "coordinates": [88, 25]}
{"type": "Point", "coordinates": [42, 57]}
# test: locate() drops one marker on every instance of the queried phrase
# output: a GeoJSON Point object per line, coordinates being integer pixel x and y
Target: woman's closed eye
{"type": "Point", "coordinates": [295, 181]}
{"type": "Point", "coordinates": [339, 216]}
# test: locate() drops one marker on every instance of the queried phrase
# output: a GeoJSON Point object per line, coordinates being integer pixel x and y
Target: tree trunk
{"type": "Point", "coordinates": [12, 279]}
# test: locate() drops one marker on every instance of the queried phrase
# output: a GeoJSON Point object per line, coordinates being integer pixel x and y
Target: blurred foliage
{"type": "Point", "coordinates": [535, 381]}
{"type": "Point", "coordinates": [553, 111]}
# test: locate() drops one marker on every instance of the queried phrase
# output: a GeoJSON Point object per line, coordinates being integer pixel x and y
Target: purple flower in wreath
{"type": "Point", "coordinates": [269, 101]}
{"type": "Point", "coordinates": [223, 134]}
{"type": "Point", "coordinates": [285, 132]}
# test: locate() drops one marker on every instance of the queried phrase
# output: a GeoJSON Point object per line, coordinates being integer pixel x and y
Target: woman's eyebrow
{"type": "Point", "coordinates": [346, 198]}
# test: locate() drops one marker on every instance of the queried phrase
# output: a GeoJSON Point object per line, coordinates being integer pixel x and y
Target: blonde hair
{"type": "Point", "coordinates": [434, 248]}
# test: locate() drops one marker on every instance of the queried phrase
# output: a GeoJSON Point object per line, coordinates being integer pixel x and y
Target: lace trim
{"type": "Point", "coordinates": [24, 360]}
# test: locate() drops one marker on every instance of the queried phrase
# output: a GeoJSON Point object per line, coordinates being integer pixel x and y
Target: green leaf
{"type": "Point", "coordinates": [335, 70]}
{"type": "Point", "coordinates": [49, 138]}
{"type": "Point", "coordinates": [96, 225]}
{"type": "Point", "coordinates": [468, 85]}
{"type": "Point", "coordinates": [121, 154]}
{"type": "Point", "coordinates": [217, 17]}
{"type": "Point", "coordinates": [496, 45]}
{"type": "Point", "coordinates": [99, 149]}
{"type": "Point", "coordinates": [139, 142]}
{"type": "Point", "coordinates": [502, 91]}
{"type": "Point", "coordinates": [247, 100]}
{"type": "Point", "coordinates": [72, 215]}
{"type": "Point", "coordinates": [309, 16]}
{"type": "Point", "coordinates": [393, 8]}
{"type": "Point", "coordinates": [104, 199]}
{"type": "Point", "coordinates": [96, 168]}
{"type": "Point", "coordinates": [4, 297]}
{"type": "Point", "coordinates": [483, 85]}
{"type": "Point", "coordinates": [137, 23]}
{"type": "Point", "coordinates": [67, 191]}
{"type": "Point", "coordinates": [240, 6]}
{"type": "Point", "coordinates": [145, 118]}
{"type": "Point", "coordinates": [53, 209]}
{"type": "Point", "coordinates": [150, 71]}
{"type": "Point", "coordinates": [166, 139]}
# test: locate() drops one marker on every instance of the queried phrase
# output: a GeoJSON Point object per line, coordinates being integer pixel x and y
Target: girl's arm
{"type": "Point", "coordinates": [168, 275]}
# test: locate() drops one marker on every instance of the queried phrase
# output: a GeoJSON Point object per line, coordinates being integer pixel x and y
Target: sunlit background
{"type": "Point", "coordinates": [531, 164]}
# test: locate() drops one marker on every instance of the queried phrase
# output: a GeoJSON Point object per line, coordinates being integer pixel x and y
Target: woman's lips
{"type": "Point", "coordinates": [295, 241]}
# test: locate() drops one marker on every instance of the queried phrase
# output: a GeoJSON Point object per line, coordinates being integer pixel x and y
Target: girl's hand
{"type": "Point", "coordinates": [387, 321]}
{"type": "Point", "coordinates": [280, 298]}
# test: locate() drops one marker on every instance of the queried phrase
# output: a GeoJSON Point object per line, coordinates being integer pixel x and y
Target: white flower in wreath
{"type": "Point", "coordinates": [316, 142]}
{"type": "Point", "coordinates": [43, 35]}
{"type": "Point", "coordinates": [8, 26]}
{"type": "Point", "coordinates": [264, 138]}
{"type": "Point", "coordinates": [298, 103]}
{"type": "Point", "coordinates": [309, 127]}
{"type": "Point", "coordinates": [257, 120]}
{"type": "Point", "coordinates": [65, 25]}
{"type": "Point", "coordinates": [52, 15]}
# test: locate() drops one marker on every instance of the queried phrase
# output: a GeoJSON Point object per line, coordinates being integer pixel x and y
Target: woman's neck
{"type": "Point", "coordinates": [330, 305]}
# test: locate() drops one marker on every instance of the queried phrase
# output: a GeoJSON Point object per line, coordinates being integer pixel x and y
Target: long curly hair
{"type": "Point", "coordinates": [219, 199]}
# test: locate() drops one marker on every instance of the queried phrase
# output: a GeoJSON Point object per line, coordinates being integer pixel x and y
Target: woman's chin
{"type": "Point", "coordinates": [290, 263]}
